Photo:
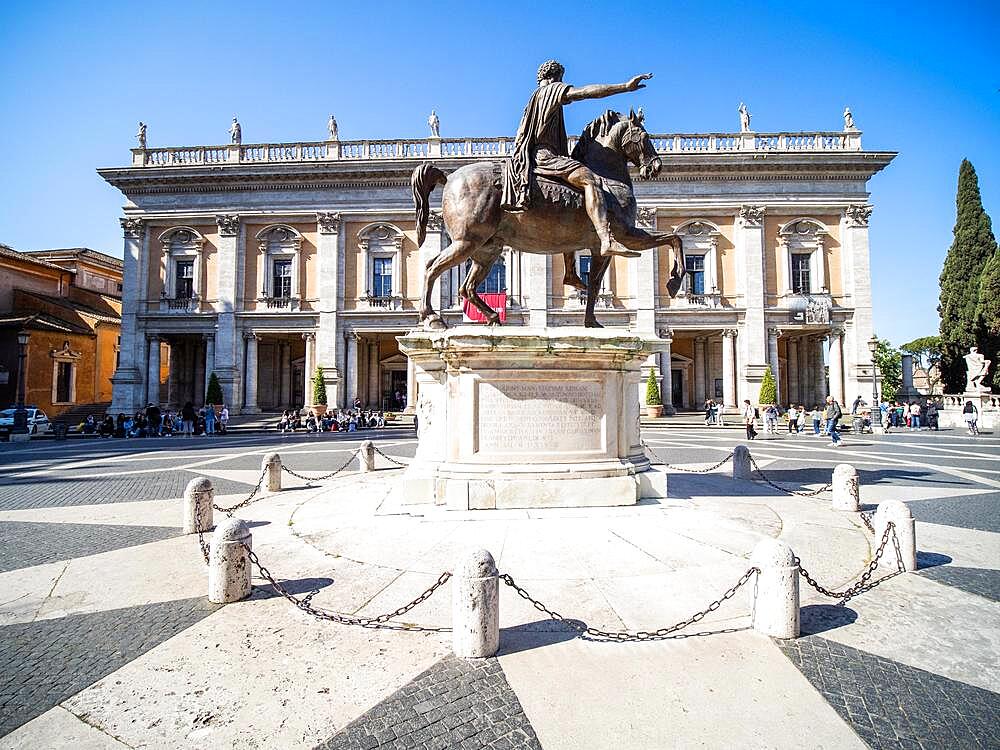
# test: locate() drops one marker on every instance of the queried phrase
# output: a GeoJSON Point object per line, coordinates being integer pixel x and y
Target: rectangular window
{"type": "Point", "coordinates": [496, 282]}
{"type": "Point", "coordinates": [382, 277]}
{"type": "Point", "coordinates": [64, 374]}
{"type": "Point", "coordinates": [585, 269]}
{"type": "Point", "coordinates": [184, 279]}
{"type": "Point", "coordinates": [800, 273]}
{"type": "Point", "coordinates": [695, 267]}
{"type": "Point", "coordinates": [281, 282]}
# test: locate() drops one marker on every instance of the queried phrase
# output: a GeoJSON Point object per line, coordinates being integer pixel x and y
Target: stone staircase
{"type": "Point", "coordinates": [76, 414]}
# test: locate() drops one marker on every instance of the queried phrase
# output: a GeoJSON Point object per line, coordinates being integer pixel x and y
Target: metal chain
{"type": "Point", "coordinates": [800, 493]}
{"type": "Point", "coordinates": [681, 468]}
{"type": "Point", "coordinates": [622, 636]}
{"type": "Point", "coordinates": [863, 581]}
{"type": "Point", "coordinates": [866, 519]}
{"type": "Point", "coordinates": [249, 498]}
{"type": "Point", "coordinates": [331, 475]}
{"type": "Point", "coordinates": [388, 458]}
{"type": "Point", "coordinates": [380, 621]}
{"type": "Point", "coordinates": [201, 538]}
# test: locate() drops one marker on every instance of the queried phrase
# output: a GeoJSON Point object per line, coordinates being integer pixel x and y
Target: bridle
{"type": "Point", "coordinates": [632, 137]}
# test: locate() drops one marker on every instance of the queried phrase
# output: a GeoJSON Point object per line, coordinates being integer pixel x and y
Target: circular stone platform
{"type": "Point", "coordinates": [635, 567]}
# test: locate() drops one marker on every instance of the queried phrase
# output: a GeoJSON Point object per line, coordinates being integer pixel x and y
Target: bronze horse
{"type": "Point", "coordinates": [556, 222]}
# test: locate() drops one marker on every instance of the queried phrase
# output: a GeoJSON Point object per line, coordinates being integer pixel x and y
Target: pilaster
{"type": "Point", "coordinates": [228, 348]}
{"type": "Point", "coordinates": [330, 294]}
{"type": "Point", "coordinates": [749, 241]}
{"type": "Point", "coordinates": [539, 282]}
{"type": "Point", "coordinates": [127, 384]}
{"type": "Point", "coordinates": [643, 273]}
{"type": "Point", "coordinates": [855, 249]}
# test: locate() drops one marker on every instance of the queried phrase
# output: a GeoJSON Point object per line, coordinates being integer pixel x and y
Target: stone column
{"type": "Point", "coordinates": [837, 364]}
{"type": "Point", "coordinates": [729, 368]}
{"type": "Point", "coordinates": [819, 371]}
{"type": "Point", "coordinates": [309, 367]}
{"type": "Point", "coordinates": [699, 372]}
{"type": "Point", "coordinates": [285, 373]}
{"type": "Point", "coordinates": [792, 359]}
{"type": "Point", "coordinates": [250, 397]}
{"type": "Point", "coordinates": [153, 373]}
{"type": "Point", "coordinates": [172, 376]}
{"type": "Point", "coordinates": [805, 371]}
{"type": "Point", "coordinates": [210, 359]}
{"type": "Point", "coordinates": [198, 353]}
{"type": "Point", "coordinates": [907, 363]}
{"type": "Point", "coordinates": [752, 285]}
{"type": "Point", "coordinates": [643, 276]}
{"type": "Point", "coordinates": [127, 384]}
{"type": "Point", "coordinates": [373, 375]}
{"type": "Point", "coordinates": [351, 365]}
{"type": "Point", "coordinates": [330, 285]}
{"type": "Point", "coordinates": [666, 374]}
{"type": "Point", "coordinates": [772, 358]}
{"type": "Point", "coordinates": [411, 387]}
{"type": "Point", "coordinates": [228, 348]}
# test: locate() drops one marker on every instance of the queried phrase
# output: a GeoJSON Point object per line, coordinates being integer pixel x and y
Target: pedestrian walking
{"type": "Point", "coordinates": [971, 416]}
{"type": "Point", "coordinates": [833, 415]}
{"type": "Point", "coordinates": [209, 419]}
{"type": "Point", "coordinates": [749, 419]}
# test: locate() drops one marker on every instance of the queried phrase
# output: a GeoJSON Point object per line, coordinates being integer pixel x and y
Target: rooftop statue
{"type": "Point", "coordinates": [141, 135]}
{"type": "Point", "coordinates": [435, 124]}
{"type": "Point", "coordinates": [545, 200]}
{"type": "Point", "coordinates": [331, 125]}
{"type": "Point", "coordinates": [236, 132]}
{"type": "Point", "coordinates": [744, 118]}
{"type": "Point", "coordinates": [848, 119]}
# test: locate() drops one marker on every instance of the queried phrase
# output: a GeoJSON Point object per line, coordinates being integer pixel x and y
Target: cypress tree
{"type": "Point", "coordinates": [768, 389]}
{"type": "Point", "coordinates": [972, 247]}
{"type": "Point", "coordinates": [213, 395]}
{"type": "Point", "coordinates": [989, 317]}
{"type": "Point", "coordinates": [652, 390]}
{"type": "Point", "coordinates": [319, 387]}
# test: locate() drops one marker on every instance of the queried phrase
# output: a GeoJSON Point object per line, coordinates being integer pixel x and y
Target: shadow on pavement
{"type": "Point", "coordinates": [534, 635]}
{"type": "Point", "coordinates": [818, 618]}
{"type": "Point", "coordinates": [295, 586]}
{"type": "Point", "coordinates": [931, 560]}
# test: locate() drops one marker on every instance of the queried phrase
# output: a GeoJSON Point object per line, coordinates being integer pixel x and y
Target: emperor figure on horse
{"type": "Point", "coordinates": [545, 200]}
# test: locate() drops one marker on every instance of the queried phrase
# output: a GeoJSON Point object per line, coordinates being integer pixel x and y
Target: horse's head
{"type": "Point", "coordinates": [636, 144]}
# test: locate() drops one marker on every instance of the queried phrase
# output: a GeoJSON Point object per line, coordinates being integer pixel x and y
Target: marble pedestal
{"type": "Point", "coordinates": [528, 418]}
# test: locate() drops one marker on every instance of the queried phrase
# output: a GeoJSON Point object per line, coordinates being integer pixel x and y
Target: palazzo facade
{"type": "Point", "coordinates": [263, 262]}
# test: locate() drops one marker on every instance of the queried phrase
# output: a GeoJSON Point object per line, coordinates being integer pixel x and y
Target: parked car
{"type": "Point", "coordinates": [37, 421]}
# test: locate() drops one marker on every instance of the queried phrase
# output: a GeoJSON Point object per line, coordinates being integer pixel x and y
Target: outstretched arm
{"type": "Point", "coordinates": [602, 90]}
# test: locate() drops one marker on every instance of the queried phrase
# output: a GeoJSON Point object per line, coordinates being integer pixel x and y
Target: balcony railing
{"type": "Point", "coordinates": [179, 304]}
{"type": "Point", "coordinates": [477, 148]}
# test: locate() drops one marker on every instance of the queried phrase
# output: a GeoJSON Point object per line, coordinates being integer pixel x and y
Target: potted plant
{"type": "Point", "coordinates": [768, 390]}
{"type": "Point", "coordinates": [213, 394]}
{"type": "Point", "coordinates": [654, 404]}
{"type": "Point", "coordinates": [319, 393]}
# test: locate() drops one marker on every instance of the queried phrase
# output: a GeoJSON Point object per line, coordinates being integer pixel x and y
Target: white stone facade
{"type": "Point", "coordinates": [261, 262]}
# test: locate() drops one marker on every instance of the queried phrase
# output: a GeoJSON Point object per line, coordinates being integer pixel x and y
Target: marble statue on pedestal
{"type": "Point", "coordinates": [435, 124]}
{"type": "Point", "coordinates": [848, 119]}
{"type": "Point", "coordinates": [236, 132]}
{"type": "Point", "coordinates": [141, 135]}
{"type": "Point", "coordinates": [331, 125]}
{"type": "Point", "coordinates": [744, 118]}
{"type": "Point", "coordinates": [976, 368]}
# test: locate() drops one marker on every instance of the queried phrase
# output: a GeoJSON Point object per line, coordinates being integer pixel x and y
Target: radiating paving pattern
{"type": "Point", "coordinates": [454, 704]}
{"type": "Point", "coordinates": [47, 661]}
{"type": "Point", "coordinates": [980, 581]}
{"type": "Point", "coordinates": [26, 543]}
{"type": "Point", "coordinates": [892, 705]}
{"type": "Point", "coordinates": [57, 491]}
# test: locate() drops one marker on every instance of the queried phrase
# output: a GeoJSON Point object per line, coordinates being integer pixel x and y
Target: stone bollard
{"type": "Point", "coordinates": [229, 562]}
{"type": "Point", "coordinates": [776, 610]}
{"type": "Point", "coordinates": [741, 463]}
{"type": "Point", "coordinates": [475, 606]}
{"type": "Point", "coordinates": [272, 464]}
{"type": "Point", "coordinates": [366, 457]}
{"type": "Point", "coordinates": [198, 498]}
{"type": "Point", "coordinates": [846, 490]}
{"type": "Point", "coordinates": [899, 513]}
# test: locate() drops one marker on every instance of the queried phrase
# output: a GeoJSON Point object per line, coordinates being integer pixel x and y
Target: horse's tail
{"type": "Point", "coordinates": [423, 180]}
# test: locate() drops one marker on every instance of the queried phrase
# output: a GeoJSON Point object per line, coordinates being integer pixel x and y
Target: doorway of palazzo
{"type": "Point", "coordinates": [280, 373]}
{"type": "Point", "coordinates": [381, 372]}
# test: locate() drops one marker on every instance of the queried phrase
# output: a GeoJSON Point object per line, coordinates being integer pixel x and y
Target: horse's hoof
{"type": "Point", "coordinates": [592, 324]}
{"type": "Point", "coordinates": [434, 323]}
{"type": "Point", "coordinates": [495, 320]}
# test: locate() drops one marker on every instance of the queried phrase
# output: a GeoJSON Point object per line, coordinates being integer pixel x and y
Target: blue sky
{"type": "Point", "coordinates": [921, 78]}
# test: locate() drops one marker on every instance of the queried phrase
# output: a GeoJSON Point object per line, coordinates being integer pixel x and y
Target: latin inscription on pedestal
{"type": "Point", "coordinates": [540, 416]}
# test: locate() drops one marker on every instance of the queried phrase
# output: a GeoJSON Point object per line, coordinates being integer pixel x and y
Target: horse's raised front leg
{"type": "Point", "coordinates": [598, 267]}
{"type": "Point", "coordinates": [570, 276]}
{"type": "Point", "coordinates": [457, 252]}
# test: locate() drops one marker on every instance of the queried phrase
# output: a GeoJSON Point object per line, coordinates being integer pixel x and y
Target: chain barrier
{"type": "Point", "coordinates": [249, 498]}
{"type": "Point", "coordinates": [380, 621]}
{"type": "Point", "coordinates": [862, 584]}
{"type": "Point", "coordinates": [800, 493]}
{"type": "Point", "coordinates": [655, 455]}
{"type": "Point", "coordinates": [623, 636]}
{"type": "Point", "coordinates": [866, 519]}
{"type": "Point", "coordinates": [389, 458]}
{"type": "Point", "coordinates": [331, 475]}
{"type": "Point", "coordinates": [201, 538]}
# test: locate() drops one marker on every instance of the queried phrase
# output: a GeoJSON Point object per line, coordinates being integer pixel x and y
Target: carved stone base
{"type": "Point", "coordinates": [528, 417]}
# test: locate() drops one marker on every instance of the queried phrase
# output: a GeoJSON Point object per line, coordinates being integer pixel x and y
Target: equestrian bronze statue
{"type": "Point", "coordinates": [545, 200]}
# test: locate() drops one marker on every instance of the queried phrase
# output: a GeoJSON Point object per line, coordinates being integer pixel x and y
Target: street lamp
{"type": "Point", "coordinates": [876, 410]}
{"type": "Point", "coordinates": [20, 426]}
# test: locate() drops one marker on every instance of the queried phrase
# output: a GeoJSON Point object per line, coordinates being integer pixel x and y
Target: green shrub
{"type": "Point", "coordinates": [319, 387]}
{"type": "Point", "coordinates": [768, 390]}
{"type": "Point", "coordinates": [214, 393]}
{"type": "Point", "coordinates": [653, 390]}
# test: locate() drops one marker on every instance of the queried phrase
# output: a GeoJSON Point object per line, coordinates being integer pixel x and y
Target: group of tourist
{"type": "Point", "coordinates": [334, 420]}
{"type": "Point", "coordinates": [152, 422]}
{"type": "Point", "coordinates": [825, 420]}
